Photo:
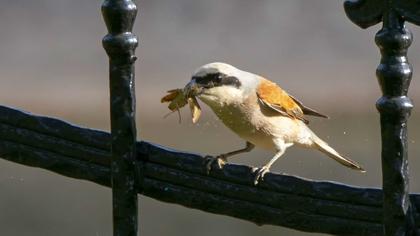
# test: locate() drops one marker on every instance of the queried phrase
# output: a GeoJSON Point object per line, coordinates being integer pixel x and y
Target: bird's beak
{"type": "Point", "coordinates": [192, 89]}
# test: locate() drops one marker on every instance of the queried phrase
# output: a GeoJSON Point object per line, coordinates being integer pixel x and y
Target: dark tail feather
{"type": "Point", "coordinates": [325, 148]}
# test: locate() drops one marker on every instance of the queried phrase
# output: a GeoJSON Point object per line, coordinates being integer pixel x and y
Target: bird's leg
{"type": "Point", "coordinates": [222, 158]}
{"type": "Point", "coordinates": [260, 172]}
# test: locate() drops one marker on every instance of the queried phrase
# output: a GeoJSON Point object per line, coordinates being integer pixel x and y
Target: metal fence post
{"type": "Point", "coordinates": [120, 44]}
{"type": "Point", "coordinates": [394, 75]}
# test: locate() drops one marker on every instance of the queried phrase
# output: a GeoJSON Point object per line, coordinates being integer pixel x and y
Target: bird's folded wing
{"type": "Point", "coordinates": [275, 98]}
{"type": "Point", "coordinates": [308, 111]}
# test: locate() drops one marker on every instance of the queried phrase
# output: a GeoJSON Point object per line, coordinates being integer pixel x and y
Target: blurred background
{"type": "Point", "coordinates": [52, 63]}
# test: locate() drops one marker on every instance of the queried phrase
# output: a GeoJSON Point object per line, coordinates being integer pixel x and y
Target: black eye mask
{"type": "Point", "coordinates": [217, 80]}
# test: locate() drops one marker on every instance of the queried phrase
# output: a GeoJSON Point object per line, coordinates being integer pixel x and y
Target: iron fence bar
{"type": "Point", "coordinates": [180, 178]}
{"type": "Point", "coordinates": [120, 44]}
{"type": "Point", "coordinates": [394, 75]}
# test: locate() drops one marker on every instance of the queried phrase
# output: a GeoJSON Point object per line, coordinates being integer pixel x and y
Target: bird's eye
{"type": "Point", "coordinates": [217, 79]}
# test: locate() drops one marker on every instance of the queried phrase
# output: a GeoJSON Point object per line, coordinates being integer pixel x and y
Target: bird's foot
{"type": "Point", "coordinates": [259, 174]}
{"type": "Point", "coordinates": [219, 160]}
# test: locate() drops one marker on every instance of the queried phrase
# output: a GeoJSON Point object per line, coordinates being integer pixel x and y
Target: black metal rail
{"type": "Point", "coordinates": [181, 178]}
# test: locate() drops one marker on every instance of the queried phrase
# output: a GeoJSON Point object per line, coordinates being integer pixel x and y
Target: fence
{"type": "Point", "coordinates": [116, 160]}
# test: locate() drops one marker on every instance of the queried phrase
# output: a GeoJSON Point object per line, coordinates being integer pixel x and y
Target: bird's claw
{"type": "Point", "coordinates": [259, 174]}
{"type": "Point", "coordinates": [209, 160]}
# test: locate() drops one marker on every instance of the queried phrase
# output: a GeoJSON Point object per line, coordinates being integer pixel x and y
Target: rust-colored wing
{"type": "Point", "coordinates": [274, 97]}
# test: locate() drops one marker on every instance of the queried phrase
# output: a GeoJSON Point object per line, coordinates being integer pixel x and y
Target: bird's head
{"type": "Point", "coordinates": [218, 83]}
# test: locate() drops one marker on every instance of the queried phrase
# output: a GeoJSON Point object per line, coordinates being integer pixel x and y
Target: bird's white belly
{"type": "Point", "coordinates": [266, 130]}
{"type": "Point", "coordinates": [243, 124]}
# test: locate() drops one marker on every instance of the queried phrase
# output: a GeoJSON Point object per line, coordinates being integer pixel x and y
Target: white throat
{"type": "Point", "coordinates": [221, 96]}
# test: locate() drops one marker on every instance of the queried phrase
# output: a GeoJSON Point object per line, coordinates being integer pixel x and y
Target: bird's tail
{"type": "Point", "coordinates": [325, 148]}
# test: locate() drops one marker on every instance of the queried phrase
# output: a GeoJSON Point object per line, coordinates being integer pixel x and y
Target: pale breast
{"type": "Point", "coordinates": [245, 120]}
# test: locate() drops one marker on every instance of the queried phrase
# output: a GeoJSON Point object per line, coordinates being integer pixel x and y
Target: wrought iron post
{"type": "Point", "coordinates": [120, 44]}
{"type": "Point", "coordinates": [394, 76]}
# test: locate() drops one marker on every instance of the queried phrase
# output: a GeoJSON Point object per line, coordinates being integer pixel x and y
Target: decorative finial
{"type": "Point", "coordinates": [366, 13]}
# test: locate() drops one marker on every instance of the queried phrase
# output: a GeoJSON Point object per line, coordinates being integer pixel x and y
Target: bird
{"type": "Point", "coordinates": [260, 112]}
